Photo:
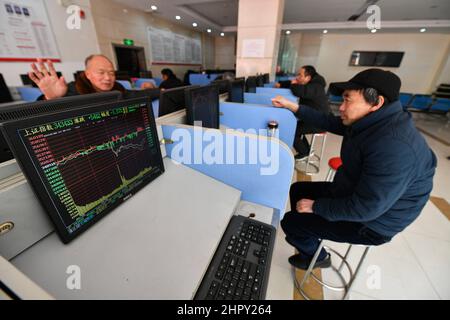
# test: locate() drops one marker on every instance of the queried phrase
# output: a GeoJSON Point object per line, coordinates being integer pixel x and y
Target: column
{"type": "Point", "coordinates": [259, 29]}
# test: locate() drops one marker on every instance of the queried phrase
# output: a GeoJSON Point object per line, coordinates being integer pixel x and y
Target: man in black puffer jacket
{"type": "Point", "coordinates": [309, 87]}
{"type": "Point", "coordinates": [386, 175]}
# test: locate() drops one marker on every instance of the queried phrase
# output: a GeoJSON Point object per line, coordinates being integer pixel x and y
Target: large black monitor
{"type": "Point", "coordinates": [260, 81]}
{"type": "Point", "coordinates": [222, 85]}
{"type": "Point", "coordinates": [83, 163]}
{"type": "Point", "coordinates": [251, 84]}
{"type": "Point", "coordinates": [172, 100]}
{"type": "Point", "coordinates": [152, 94]}
{"type": "Point", "coordinates": [237, 91]}
{"type": "Point", "coordinates": [28, 82]}
{"type": "Point", "coordinates": [5, 95]}
{"type": "Point", "coordinates": [202, 104]}
{"type": "Point", "coordinates": [20, 111]}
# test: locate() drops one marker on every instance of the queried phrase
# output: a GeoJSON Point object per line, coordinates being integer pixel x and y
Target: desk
{"type": "Point", "coordinates": [157, 245]}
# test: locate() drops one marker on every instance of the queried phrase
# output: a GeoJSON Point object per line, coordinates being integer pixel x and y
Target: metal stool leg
{"type": "Point", "coordinates": [314, 159]}
{"type": "Point", "coordinates": [358, 268]}
{"type": "Point", "coordinates": [346, 287]}
{"type": "Point", "coordinates": [308, 272]}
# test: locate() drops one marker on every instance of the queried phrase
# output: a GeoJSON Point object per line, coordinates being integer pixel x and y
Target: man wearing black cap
{"type": "Point", "coordinates": [385, 179]}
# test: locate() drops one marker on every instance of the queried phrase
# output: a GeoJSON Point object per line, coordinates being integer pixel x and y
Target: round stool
{"type": "Point", "coordinates": [311, 164]}
{"type": "Point", "coordinates": [334, 164]}
{"type": "Point", "coordinates": [346, 285]}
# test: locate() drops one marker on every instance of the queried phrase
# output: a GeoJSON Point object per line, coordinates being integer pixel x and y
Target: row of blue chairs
{"type": "Point", "coordinates": [424, 103]}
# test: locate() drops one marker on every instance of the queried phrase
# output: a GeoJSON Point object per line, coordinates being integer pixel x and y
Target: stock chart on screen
{"type": "Point", "coordinates": [91, 162]}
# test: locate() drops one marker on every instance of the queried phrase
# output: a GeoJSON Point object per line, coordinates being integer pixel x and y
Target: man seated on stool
{"type": "Point", "coordinates": [309, 87]}
{"type": "Point", "coordinates": [385, 179]}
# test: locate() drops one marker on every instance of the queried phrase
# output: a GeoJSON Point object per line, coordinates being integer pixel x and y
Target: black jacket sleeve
{"type": "Point", "coordinates": [318, 119]}
{"type": "Point", "coordinates": [285, 84]}
{"type": "Point", "coordinates": [311, 91]}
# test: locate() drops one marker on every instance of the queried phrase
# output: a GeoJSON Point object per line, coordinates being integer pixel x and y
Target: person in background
{"type": "Point", "coordinates": [98, 76]}
{"type": "Point", "coordinates": [169, 80]}
{"type": "Point", "coordinates": [279, 72]}
{"type": "Point", "coordinates": [386, 175]}
{"type": "Point", "coordinates": [309, 87]}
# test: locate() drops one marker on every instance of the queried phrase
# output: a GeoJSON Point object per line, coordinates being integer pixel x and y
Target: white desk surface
{"type": "Point", "coordinates": [157, 245]}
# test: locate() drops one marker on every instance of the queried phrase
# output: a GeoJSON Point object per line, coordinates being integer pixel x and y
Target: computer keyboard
{"type": "Point", "coordinates": [240, 267]}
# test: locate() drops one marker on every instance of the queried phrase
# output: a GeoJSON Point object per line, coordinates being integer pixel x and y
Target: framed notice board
{"type": "Point", "coordinates": [26, 32]}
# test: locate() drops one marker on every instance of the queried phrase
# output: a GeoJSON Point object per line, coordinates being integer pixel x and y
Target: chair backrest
{"type": "Point", "coordinates": [126, 84]}
{"type": "Point", "coordinates": [441, 105]}
{"type": "Point", "coordinates": [421, 102]}
{"type": "Point", "coordinates": [405, 98]}
{"type": "Point", "coordinates": [29, 94]}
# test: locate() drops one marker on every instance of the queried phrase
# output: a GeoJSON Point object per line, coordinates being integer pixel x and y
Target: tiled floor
{"type": "Point", "coordinates": [414, 265]}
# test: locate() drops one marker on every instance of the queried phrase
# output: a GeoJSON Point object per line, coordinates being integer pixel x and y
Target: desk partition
{"type": "Point", "coordinates": [255, 116]}
{"type": "Point", "coordinates": [265, 99]}
{"type": "Point", "coordinates": [260, 167]}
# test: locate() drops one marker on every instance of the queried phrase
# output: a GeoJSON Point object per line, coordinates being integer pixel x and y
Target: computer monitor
{"type": "Point", "coordinates": [260, 81]}
{"type": "Point", "coordinates": [152, 94]}
{"type": "Point", "coordinates": [237, 91]}
{"type": "Point", "coordinates": [202, 104]}
{"type": "Point", "coordinates": [83, 163]}
{"type": "Point", "coordinates": [19, 111]}
{"type": "Point", "coordinates": [172, 100]}
{"type": "Point", "coordinates": [28, 82]}
{"type": "Point", "coordinates": [5, 95]}
{"type": "Point", "coordinates": [250, 84]}
{"type": "Point", "coordinates": [224, 86]}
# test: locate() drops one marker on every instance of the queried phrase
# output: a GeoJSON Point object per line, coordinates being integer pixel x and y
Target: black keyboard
{"type": "Point", "coordinates": [240, 267]}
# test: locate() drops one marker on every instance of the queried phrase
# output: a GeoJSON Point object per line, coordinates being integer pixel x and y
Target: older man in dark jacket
{"type": "Point", "coordinates": [385, 179]}
{"type": "Point", "coordinates": [309, 87]}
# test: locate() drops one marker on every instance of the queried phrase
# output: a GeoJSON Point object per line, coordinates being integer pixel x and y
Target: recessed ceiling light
{"type": "Point", "coordinates": [325, 31]}
{"type": "Point", "coordinates": [154, 8]}
{"type": "Point", "coordinates": [222, 34]}
{"type": "Point", "coordinates": [288, 32]}
{"type": "Point", "coordinates": [423, 30]}
{"type": "Point", "coordinates": [178, 17]}
{"type": "Point", "coordinates": [195, 24]}
{"type": "Point", "coordinates": [208, 30]}
{"type": "Point", "coordinates": [373, 30]}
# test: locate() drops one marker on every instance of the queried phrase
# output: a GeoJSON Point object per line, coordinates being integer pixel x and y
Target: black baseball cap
{"type": "Point", "coordinates": [385, 82]}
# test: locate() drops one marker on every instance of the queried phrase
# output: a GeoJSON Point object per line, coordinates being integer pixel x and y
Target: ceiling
{"type": "Point", "coordinates": [218, 14]}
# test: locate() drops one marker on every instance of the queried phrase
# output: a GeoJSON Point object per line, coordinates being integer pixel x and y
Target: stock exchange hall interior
{"type": "Point", "coordinates": [225, 149]}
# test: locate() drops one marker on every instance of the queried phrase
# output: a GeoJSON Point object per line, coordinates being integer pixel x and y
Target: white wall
{"type": "Point", "coordinates": [73, 45]}
{"type": "Point", "coordinates": [444, 77]}
{"type": "Point", "coordinates": [423, 59]}
{"type": "Point", "coordinates": [225, 52]}
{"type": "Point", "coordinates": [309, 49]}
